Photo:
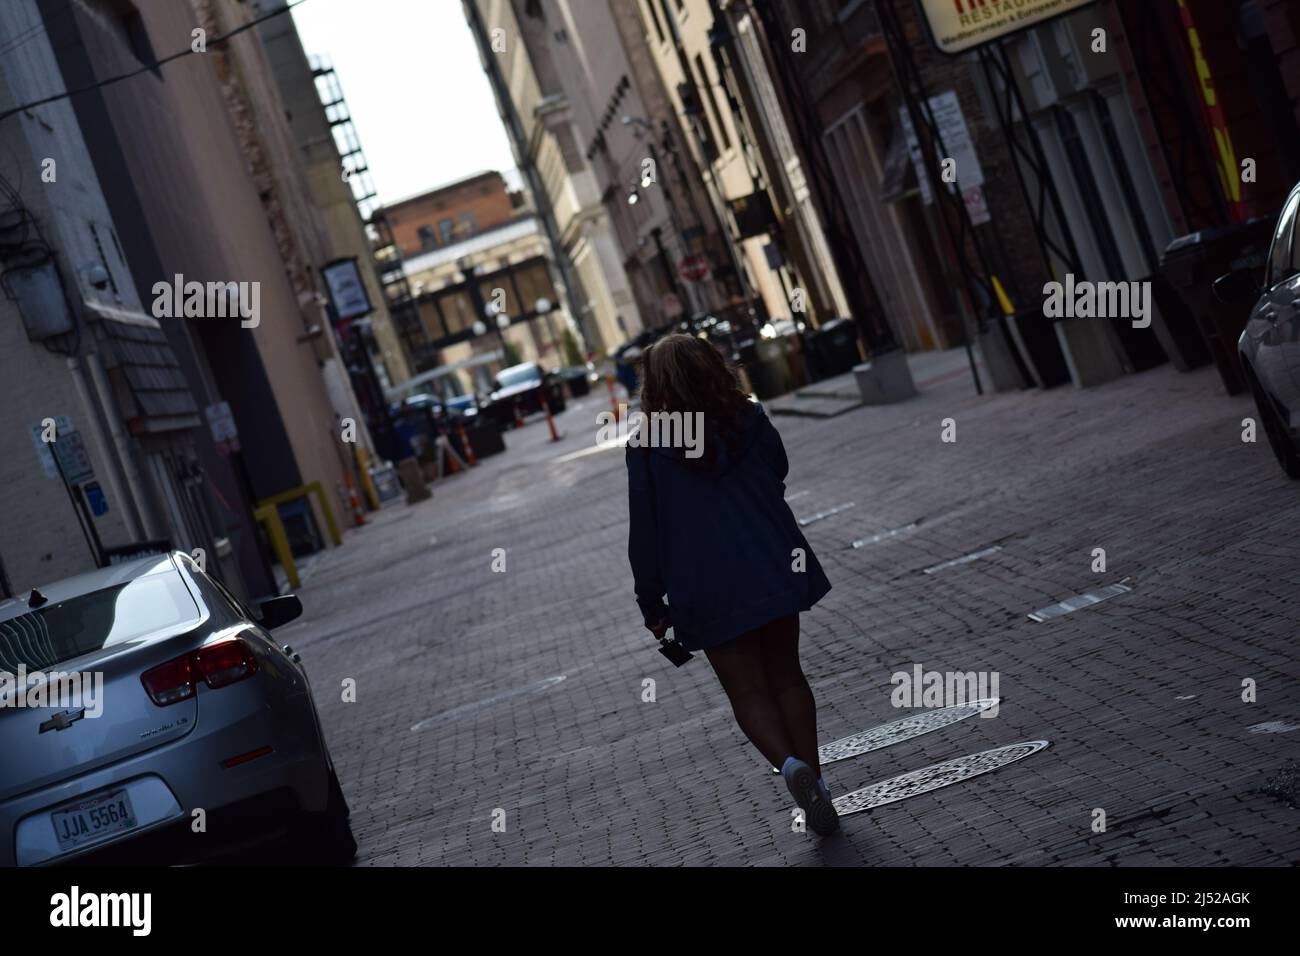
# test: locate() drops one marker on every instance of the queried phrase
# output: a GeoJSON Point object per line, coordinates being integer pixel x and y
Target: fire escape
{"type": "Point", "coordinates": [402, 307]}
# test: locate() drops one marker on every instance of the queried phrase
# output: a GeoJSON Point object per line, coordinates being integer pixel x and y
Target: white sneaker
{"type": "Point", "coordinates": [812, 797]}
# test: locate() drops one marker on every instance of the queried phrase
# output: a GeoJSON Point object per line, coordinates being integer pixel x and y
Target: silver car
{"type": "Point", "coordinates": [1269, 346]}
{"type": "Point", "coordinates": [147, 716]}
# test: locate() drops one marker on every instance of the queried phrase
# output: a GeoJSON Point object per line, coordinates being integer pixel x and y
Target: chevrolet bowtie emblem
{"type": "Point", "coordinates": [62, 721]}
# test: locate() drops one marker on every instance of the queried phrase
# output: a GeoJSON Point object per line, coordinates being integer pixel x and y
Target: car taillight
{"type": "Point", "coordinates": [217, 665]}
{"type": "Point", "coordinates": [170, 683]}
{"type": "Point", "coordinates": [225, 663]}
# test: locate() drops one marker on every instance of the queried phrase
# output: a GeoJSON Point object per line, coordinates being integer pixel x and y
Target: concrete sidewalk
{"type": "Point", "coordinates": [528, 687]}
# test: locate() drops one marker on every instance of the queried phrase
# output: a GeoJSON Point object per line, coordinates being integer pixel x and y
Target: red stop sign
{"type": "Point", "coordinates": [693, 268]}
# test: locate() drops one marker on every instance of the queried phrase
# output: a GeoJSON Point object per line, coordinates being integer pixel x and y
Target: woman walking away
{"type": "Point", "coordinates": [710, 530]}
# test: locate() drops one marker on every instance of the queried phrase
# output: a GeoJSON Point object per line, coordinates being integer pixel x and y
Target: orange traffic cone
{"type": "Point", "coordinates": [464, 443]}
{"type": "Point", "coordinates": [519, 418]}
{"type": "Point", "coordinates": [358, 513]}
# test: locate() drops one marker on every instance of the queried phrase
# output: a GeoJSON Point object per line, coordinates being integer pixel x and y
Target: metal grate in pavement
{"type": "Point", "coordinates": [1080, 601]}
{"type": "Point", "coordinates": [475, 706]}
{"type": "Point", "coordinates": [896, 731]}
{"type": "Point", "coordinates": [916, 782]}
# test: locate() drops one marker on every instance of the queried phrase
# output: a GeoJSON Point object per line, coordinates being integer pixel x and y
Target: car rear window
{"type": "Point", "coordinates": [41, 638]}
{"type": "Point", "coordinates": [518, 376]}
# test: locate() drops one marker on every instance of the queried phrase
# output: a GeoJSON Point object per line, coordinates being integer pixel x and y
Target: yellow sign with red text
{"type": "Point", "coordinates": [960, 25]}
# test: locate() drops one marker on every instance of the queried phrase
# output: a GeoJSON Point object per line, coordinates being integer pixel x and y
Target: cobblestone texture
{"type": "Point", "coordinates": [1151, 468]}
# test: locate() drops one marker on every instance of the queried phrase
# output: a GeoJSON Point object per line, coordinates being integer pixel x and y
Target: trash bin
{"type": "Point", "coordinates": [485, 437]}
{"type": "Point", "coordinates": [833, 349]}
{"type": "Point", "coordinates": [1191, 264]}
{"type": "Point", "coordinates": [1035, 339]}
{"type": "Point", "coordinates": [1142, 348]}
{"type": "Point", "coordinates": [765, 363]}
{"type": "Point", "coordinates": [1175, 327]}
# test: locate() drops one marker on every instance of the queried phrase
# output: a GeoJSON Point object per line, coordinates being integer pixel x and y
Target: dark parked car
{"type": "Point", "coordinates": [525, 387]}
{"type": "Point", "coordinates": [576, 378]}
{"type": "Point", "coordinates": [1269, 346]}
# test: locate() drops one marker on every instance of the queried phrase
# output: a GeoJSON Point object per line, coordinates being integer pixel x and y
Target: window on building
{"type": "Point", "coordinates": [428, 238]}
{"type": "Point", "coordinates": [133, 30]}
{"type": "Point", "coordinates": [653, 7]}
{"type": "Point", "coordinates": [468, 224]}
{"type": "Point", "coordinates": [448, 230]}
{"type": "Point", "coordinates": [692, 106]}
{"type": "Point", "coordinates": [708, 93]}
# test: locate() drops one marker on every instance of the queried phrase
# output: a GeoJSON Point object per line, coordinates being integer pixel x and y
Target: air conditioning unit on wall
{"type": "Point", "coordinates": [34, 283]}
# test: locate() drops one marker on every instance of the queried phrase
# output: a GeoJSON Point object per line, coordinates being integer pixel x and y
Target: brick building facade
{"type": "Point", "coordinates": [451, 213]}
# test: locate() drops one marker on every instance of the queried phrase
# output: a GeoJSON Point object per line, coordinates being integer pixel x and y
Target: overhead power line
{"type": "Point", "coordinates": [188, 51]}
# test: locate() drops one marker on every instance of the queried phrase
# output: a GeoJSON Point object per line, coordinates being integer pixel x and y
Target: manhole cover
{"type": "Point", "coordinates": [914, 725]}
{"type": "Point", "coordinates": [492, 701]}
{"type": "Point", "coordinates": [916, 782]}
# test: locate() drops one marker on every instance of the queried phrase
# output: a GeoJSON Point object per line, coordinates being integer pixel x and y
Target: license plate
{"type": "Point", "coordinates": [92, 818]}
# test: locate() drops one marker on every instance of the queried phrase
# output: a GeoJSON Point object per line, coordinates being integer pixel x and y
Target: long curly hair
{"type": "Point", "coordinates": [683, 373]}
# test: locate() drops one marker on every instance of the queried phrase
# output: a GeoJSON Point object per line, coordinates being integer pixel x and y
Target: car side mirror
{"type": "Point", "coordinates": [1237, 287]}
{"type": "Point", "coordinates": [279, 610]}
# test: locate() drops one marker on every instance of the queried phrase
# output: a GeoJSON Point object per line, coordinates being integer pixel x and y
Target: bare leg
{"type": "Point", "coordinates": [779, 644]}
{"type": "Point", "coordinates": [740, 669]}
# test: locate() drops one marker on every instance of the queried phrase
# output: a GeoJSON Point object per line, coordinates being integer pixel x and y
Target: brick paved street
{"type": "Point", "coordinates": [527, 685]}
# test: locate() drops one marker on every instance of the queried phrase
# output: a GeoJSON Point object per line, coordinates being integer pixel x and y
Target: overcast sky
{"type": "Point", "coordinates": [422, 106]}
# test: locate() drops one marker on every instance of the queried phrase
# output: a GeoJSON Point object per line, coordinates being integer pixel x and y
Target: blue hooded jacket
{"type": "Point", "coordinates": [719, 543]}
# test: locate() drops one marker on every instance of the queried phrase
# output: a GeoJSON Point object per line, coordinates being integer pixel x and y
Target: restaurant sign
{"type": "Point", "coordinates": [960, 25]}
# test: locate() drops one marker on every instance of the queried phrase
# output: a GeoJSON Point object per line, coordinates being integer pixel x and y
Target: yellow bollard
{"type": "Point", "coordinates": [269, 517]}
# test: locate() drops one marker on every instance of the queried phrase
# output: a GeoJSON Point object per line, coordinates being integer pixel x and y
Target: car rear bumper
{"type": "Point", "coordinates": [189, 774]}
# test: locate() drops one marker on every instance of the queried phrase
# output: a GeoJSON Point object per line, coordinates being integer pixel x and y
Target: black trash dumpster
{"type": "Point", "coordinates": [833, 349]}
{"type": "Point", "coordinates": [1191, 264]}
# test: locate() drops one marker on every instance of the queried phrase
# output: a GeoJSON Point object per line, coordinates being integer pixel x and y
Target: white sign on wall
{"type": "Point", "coordinates": [347, 290]}
{"type": "Point", "coordinates": [956, 143]}
{"type": "Point", "coordinates": [960, 25]}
